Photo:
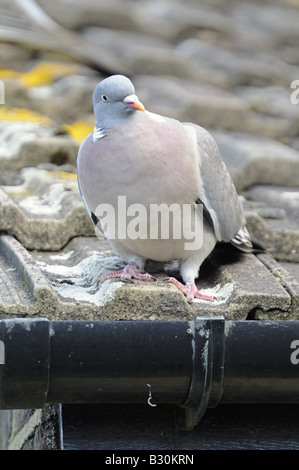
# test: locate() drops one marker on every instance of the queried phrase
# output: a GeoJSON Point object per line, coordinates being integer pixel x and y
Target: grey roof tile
{"type": "Point", "coordinates": [45, 211]}
{"type": "Point", "coordinates": [63, 285]}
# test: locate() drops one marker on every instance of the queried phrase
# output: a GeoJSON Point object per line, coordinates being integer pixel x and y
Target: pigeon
{"type": "Point", "coordinates": [139, 162]}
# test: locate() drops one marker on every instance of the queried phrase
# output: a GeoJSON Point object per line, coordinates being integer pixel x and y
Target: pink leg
{"type": "Point", "coordinates": [130, 271]}
{"type": "Point", "coordinates": [189, 290]}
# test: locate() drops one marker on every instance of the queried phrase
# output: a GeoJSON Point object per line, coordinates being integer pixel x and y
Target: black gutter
{"type": "Point", "coordinates": [193, 365]}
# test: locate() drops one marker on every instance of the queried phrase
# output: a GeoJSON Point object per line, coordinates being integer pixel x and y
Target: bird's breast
{"type": "Point", "coordinates": [148, 163]}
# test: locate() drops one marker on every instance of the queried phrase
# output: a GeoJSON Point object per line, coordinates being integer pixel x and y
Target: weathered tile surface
{"type": "Point", "coordinates": [45, 211]}
{"type": "Point", "coordinates": [227, 66]}
{"type": "Point", "coordinates": [24, 144]}
{"type": "Point", "coordinates": [258, 160]}
{"type": "Point", "coordinates": [64, 285]}
{"type": "Point", "coordinates": [274, 219]}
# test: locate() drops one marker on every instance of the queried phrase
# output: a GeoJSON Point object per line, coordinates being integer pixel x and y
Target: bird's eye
{"type": "Point", "coordinates": [104, 97]}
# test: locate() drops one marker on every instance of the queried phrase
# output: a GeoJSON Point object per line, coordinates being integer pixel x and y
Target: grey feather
{"type": "Point", "coordinates": [219, 194]}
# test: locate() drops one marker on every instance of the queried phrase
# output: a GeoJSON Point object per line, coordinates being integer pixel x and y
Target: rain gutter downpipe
{"type": "Point", "coordinates": [194, 365]}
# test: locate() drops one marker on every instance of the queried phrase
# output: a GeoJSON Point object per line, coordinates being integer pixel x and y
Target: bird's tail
{"type": "Point", "coordinates": [246, 243]}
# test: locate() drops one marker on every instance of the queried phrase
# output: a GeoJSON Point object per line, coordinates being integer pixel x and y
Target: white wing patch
{"type": "Point", "coordinates": [98, 133]}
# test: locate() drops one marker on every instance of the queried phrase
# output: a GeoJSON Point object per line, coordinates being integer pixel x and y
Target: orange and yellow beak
{"type": "Point", "coordinates": [133, 102]}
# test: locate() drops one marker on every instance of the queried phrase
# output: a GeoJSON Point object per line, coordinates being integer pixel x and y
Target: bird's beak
{"type": "Point", "coordinates": [133, 102]}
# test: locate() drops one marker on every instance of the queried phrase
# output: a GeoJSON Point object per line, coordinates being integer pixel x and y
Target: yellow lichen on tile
{"type": "Point", "coordinates": [63, 175]}
{"type": "Point", "coordinates": [78, 129]}
{"type": "Point", "coordinates": [8, 74]}
{"type": "Point", "coordinates": [45, 73]}
{"type": "Point", "coordinates": [24, 115]}
{"type": "Point", "coordinates": [15, 191]}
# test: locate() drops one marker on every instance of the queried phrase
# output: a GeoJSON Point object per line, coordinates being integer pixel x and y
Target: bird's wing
{"type": "Point", "coordinates": [93, 217]}
{"type": "Point", "coordinates": [219, 196]}
{"type": "Point", "coordinates": [91, 214]}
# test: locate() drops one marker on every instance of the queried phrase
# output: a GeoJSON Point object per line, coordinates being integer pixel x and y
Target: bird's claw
{"type": "Point", "coordinates": [130, 272]}
{"type": "Point", "coordinates": [127, 279]}
{"type": "Point", "coordinates": [189, 290]}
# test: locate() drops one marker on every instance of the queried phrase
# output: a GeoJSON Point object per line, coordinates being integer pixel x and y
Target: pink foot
{"type": "Point", "coordinates": [190, 290]}
{"type": "Point", "coordinates": [130, 271]}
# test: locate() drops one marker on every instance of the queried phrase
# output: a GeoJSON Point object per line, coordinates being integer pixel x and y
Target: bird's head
{"type": "Point", "coordinates": [114, 99]}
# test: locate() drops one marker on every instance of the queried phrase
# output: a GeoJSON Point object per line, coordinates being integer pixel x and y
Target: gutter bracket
{"type": "Point", "coordinates": [208, 367]}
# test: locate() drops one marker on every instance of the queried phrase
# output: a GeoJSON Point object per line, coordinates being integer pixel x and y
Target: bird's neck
{"type": "Point", "coordinates": [104, 124]}
{"type": "Point", "coordinates": [99, 132]}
